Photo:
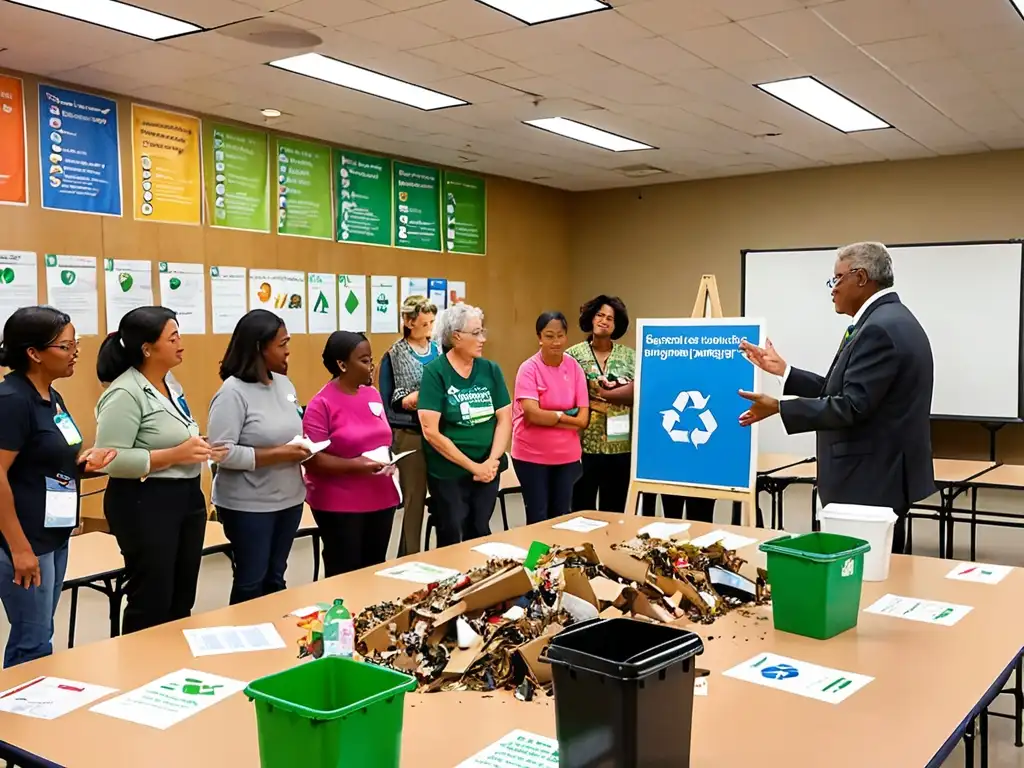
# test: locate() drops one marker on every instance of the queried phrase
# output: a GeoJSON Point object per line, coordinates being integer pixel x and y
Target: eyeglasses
{"type": "Point", "coordinates": [65, 346]}
{"type": "Point", "coordinates": [832, 282]}
{"type": "Point", "coordinates": [479, 333]}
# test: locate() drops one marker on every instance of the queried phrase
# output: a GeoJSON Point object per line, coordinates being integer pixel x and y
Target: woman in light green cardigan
{"type": "Point", "coordinates": [154, 503]}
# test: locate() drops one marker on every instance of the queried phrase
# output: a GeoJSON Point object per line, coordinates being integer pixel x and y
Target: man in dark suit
{"type": "Point", "coordinates": [871, 411]}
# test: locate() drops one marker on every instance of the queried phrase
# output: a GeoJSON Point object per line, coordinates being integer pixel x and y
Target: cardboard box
{"type": "Point", "coordinates": [379, 638]}
{"type": "Point", "coordinates": [623, 564]}
{"type": "Point", "coordinates": [502, 586]}
{"type": "Point", "coordinates": [577, 583]}
{"type": "Point", "coordinates": [530, 654]}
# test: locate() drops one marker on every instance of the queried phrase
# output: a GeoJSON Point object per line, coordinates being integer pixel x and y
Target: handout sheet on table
{"type": "Point", "coordinates": [580, 525]}
{"type": "Point", "coordinates": [664, 530]}
{"type": "Point", "coordinates": [502, 550]}
{"type": "Point", "coordinates": [215, 641]}
{"type": "Point", "coordinates": [419, 573]}
{"type": "Point", "coordinates": [915, 609]}
{"type": "Point", "coordinates": [170, 699]}
{"type": "Point", "coordinates": [979, 573]}
{"type": "Point", "coordinates": [799, 677]}
{"type": "Point", "coordinates": [518, 749]}
{"type": "Point", "coordinates": [47, 698]}
{"type": "Point", "coordinates": [727, 540]}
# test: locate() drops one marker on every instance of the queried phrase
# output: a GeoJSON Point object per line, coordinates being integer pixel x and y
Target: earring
{"type": "Point", "coordinates": [343, 369]}
{"type": "Point", "coordinates": [146, 354]}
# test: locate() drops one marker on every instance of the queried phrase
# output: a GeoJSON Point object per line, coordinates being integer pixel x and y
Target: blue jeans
{"type": "Point", "coordinates": [260, 545]}
{"type": "Point", "coordinates": [30, 611]}
{"type": "Point", "coordinates": [547, 488]}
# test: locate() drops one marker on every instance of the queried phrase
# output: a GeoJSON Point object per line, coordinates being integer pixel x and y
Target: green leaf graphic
{"type": "Point", "coordinates": [125, 281]}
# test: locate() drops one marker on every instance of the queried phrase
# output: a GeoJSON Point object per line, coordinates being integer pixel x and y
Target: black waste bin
{"type": "Point", "coordinates": [624, 694]}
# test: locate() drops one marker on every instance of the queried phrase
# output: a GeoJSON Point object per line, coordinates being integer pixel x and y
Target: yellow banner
{"type": "Point", "coordinates": [166, 162]}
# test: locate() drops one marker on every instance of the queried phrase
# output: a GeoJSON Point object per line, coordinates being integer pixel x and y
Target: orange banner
{"type": "Point", "coordinates": [13, 188]}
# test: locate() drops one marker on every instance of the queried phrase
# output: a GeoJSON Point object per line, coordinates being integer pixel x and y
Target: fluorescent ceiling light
{"type": "Point", "coordinates": [539, 11]}
{"type": "Point", "coordinates": [115, 15]}
{"type": "Point", "coordinates": [270, 112]}
{"type": "Point", "coordinates": [563, 126]}
{"type": "Point", "coordinates": [358, 79]}
{"type": "Point", "coordinates": [819, 101]}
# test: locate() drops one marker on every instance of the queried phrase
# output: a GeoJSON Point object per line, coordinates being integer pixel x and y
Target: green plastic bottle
{"type": "Point", "coordinates": [339, 631]}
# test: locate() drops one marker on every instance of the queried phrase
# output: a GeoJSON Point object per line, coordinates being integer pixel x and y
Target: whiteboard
{"type": "Point", "coordinates": [966, 296]}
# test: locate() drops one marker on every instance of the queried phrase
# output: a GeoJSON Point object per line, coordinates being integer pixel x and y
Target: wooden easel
{"type": "Point", "coordinates": [707, 304]}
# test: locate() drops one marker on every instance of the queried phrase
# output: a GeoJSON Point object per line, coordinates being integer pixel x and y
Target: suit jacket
{"type": "Point", "coordinates": [871, 411]}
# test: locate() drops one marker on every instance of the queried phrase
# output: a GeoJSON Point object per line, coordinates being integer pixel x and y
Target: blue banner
{"type": "Point", "coordinates": [79, 161]}
{"type": "Point", "coordinates": [687, 410]}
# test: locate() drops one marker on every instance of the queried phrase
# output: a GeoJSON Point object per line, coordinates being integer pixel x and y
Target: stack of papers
{"type": "Point", "coordinates": [419, 573]}
{"type": "Point", "coordinates": [214, 641]}
{"type": "Point", "coordinates": [47, 698]}
{"type": "Point", "coordinates": [727, 540]}
{"type": "Point", "coordinates": [309, 445]}
{"type": "Point", "coordinates": [580, 525]}
{"type": "Point", "coordinates": [664, 530]}
{"type": "Point", "coordinates": [501, 550]}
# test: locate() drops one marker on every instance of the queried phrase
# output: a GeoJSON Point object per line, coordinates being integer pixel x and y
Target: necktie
{"type": "Point", "coordinates": [846, 337]}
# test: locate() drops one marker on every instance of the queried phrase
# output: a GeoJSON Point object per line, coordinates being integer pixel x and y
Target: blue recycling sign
{"type": "Point", "coordinates": [687, 405]}
{"type": "Point", "coordinates": [780, 672]}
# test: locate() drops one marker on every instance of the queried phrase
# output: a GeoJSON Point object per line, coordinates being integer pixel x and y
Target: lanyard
{"type": "Point", "coordinates": [597, 362]}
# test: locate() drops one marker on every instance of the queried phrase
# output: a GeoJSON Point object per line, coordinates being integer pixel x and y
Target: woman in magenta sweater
{"type": "Point", "coordinates": [353, 498]}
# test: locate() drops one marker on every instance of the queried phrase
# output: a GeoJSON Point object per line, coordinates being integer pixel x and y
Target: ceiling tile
{"type": "Point", "coordinates": [410, 68]}
{"type": "Point", "coordinates": [100, 80]}
{"type": "Point", "coordinates": [461, 19]}
{"type": "Point", "coordinates": [766, 71]}
{"type": "Point", "coordinates": [939, 76]}
{"type": "Point", "coordinates": [955, 14]}
{"type": "Point", "coordinates": [396, 30]}
{"type": "Point", "coordinates": [202, 13]}
{"type": "Point", "coordinates": [728, 43]}
{"type": "Point", "coordinates": [908, 50]}
{"type": "Point", "coordinates": [162, 64]}
{"type": "Point", "coordinates": [475, 89]}
{"type": "Point", "coordinates": [893, 145]}
{"type": "Point", "coordinates": [577, 60]}
{"type": "Point", "coordinates": [506, 74]}
{"type": "Point", "coordinates": [652, 55]}
{"type": "Point", "coordinates": [608, 80]}
{"type": "Point", "coordinates": [459, 55]}
{"type": "Point", "coordinates": [663, 16]}
{"type": "Point", "coordinates": [980, 40]}
{"type": "Point", "coordinates": [43, 61]}
{"type": "Point", "coordinates": [331, 13]}
{"type": "Point", "coordinates": [738, 10]}
{"type": "Point", "coordinates": [875, 21]}
{"type": "Point", "coordinates": [518, 44]}
{"type": "Point", "coordinates": [604, 26]}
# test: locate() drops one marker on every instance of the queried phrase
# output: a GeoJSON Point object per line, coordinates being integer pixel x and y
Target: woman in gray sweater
{"type": "Point", "coordinates": [258, 489]}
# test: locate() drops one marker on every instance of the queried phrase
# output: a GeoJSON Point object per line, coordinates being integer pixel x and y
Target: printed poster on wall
{"type": "Point", "coordinates": [437, 292]}
{"type": "Point", "coordinates": [465, 213]}
{"type": "Point", "coordinates": [129, 284]}
{"type": "Point", "coordinates": [384, 304]}
{"type": "Point", "coordinates": [166, 160]}
{"type": "Point", "coordinates": [13, 142]}
{"type": "Point", "coordinates": [79, 157]}
{"type": "Point", "coordinates": [281, 292]}
{"type": "Point", "coordinates": [183, 289]}
{"type": "Point", "coordinates": [237, 176]}
{"type": "Point", "coordinates": [71, 288]}
{"type": "Point", "coordinates": [304, 189]}
{"type": "Point", "coordinates": [417, 207]}
{"type": "Point", "coordinates": [19, 283]}
{"type": "Point", "coordinates": [352, 303]}
{"type": "Point", "coordinates": [321, 296]}
{"type": "Point", "coordinates": [363, 191]}
{"type": "Point", "coordinates": [411, 286]}
{"type": "Point", "coordinates": [456, 292]}
{"type": "Point", "coordinates": [228, 297]}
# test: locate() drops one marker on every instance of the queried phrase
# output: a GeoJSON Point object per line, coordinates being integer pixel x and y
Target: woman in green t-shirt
{"type": "Point", "coordinates": [466, 415]}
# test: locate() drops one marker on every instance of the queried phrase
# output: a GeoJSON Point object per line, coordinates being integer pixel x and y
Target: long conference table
{"type": "Point", "coordinates": [931, 682]}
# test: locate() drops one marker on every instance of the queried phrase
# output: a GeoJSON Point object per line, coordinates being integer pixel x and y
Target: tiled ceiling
{"type": "Point", "coordinates": [676, 74]}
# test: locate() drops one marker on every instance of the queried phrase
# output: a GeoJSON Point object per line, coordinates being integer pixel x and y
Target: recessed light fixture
{"type": "Point", "coordinates": [563, 126]}
{"type": "Point", "coordinates": [116, 15]}
{"type": "Point", "coordinates": [821, 102]}
{"type": "Point", "coordinates": [539, 11]}
{"type": "Point", "coordinates": [337, 72]}
{"type": "Point", "coordinates": [270, 112]}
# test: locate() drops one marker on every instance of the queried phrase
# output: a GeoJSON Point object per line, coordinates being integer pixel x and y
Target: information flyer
{"type": "Point", "coordinates": [237, 177]}
{"type": "Point", "coordinates": [437, 292]}
{"type": "Point", "coordinates": [79, 158]}
{"type": "Point", "coordinates": [363, 191]}
{"type": "Point", "coordinates": [183, 290]}
{"type": "Point", "coordinates": [321, 296]}
{"type": "Point", "coordinates": [914, 609]}
{"type": "Point", "coordinates": [384, 304]}
{"type": "Point", "coordinates": [166, 160]}
{"type": "Point", "coordinates": [13, 142]}
{"type": "Point", "coordinates": [352, 303]}
{"type": "Point", "coordinates": [456, 292]}
{"type": "Point", "coordinates": [19, 282]}
{"type": "Point", "coordinates": [228, 297]}
{"type": "Point", "coordinates": [412, 286]}
{"type": "Point", "coordinates": [303, 189]}
{"type": "Point", "coordinates": [280, 291]}
{"type": "Point", "coordinates": [417, 207]}
{"type": "Point", "coordinates": [799, 677]}
{"type": "Point", "coordinates": [465, 213]}
{"type": "Point", "coordinates": [129, 285]}
{"type": "Point", "coordinates": [518, 749]}
{"type": "Point", "coordinates": [71, 288]}
{"type": "Point", "coordinates": [47, 698]}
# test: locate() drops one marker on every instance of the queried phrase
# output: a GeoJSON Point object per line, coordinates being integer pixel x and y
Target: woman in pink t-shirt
{"type": "Point", "coordinates": [551, 406]}
{"type": "Point", "coordinates": [353, 498]}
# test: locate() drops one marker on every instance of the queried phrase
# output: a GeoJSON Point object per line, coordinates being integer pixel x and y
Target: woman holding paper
{"type": "Point", "coordinates": [465, 412]}
{"type": "Point", "coordinates": [353, 497]}
{"type": "Point", "coordinates": [551, 406]}
{"type": "Point", "coordinates": [41, 459]}
{"type": "Point", "coordinates": [258, 489]}
{"type": "Point", "coordinates": [154, 502]}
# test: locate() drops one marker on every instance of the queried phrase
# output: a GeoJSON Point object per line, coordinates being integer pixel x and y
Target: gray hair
{"type": "Point", "coordinates": [453, 320]}
{"type": "Point", "coordinates": [873, 258]}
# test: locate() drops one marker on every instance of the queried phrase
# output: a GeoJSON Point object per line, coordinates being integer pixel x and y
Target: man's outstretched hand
{"type": "Point", "coordinates": [762, 406]}
{"type": "Point", "coordinates": [765, 358]}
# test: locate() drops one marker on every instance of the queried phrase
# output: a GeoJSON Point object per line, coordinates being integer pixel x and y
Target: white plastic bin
{"type": "Point", "coordinates": [872, 524]}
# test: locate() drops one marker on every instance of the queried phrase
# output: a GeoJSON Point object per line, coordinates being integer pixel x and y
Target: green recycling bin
{"type": "Point", "coordinates": [816, 581]}
{"type": "Point", "coordinates": [330, 713]}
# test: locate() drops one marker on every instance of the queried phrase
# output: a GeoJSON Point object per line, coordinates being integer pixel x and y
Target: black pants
{"type": "Point", "coordinates": [547, 488]}
{"type": "Point", "coordinates": [604, 483]}
{"type": "Point", "coordinates": [160, 526]}
{"type": "Point", "coordinates": [701, 510]}
{"type": "Point", "coordinates": [260, 545]}
{"type": "Point", "coordinates": [354, 540]}
{"type": "Point", "coordinates": [463, 507]}
{"type": "Point", "coordinates": [899, 532]}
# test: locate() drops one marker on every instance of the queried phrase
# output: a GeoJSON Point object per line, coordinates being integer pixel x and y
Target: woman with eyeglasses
{"type": "Point", "coordinates": [154, 503]}
{"type": "Point", "coordinates": [41, 460]}
{"type": "Point", "coordinates": [466, 415]}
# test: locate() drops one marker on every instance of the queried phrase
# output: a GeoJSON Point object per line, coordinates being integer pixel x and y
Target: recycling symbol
{"type": "Point", "coordinates": [670, 418]}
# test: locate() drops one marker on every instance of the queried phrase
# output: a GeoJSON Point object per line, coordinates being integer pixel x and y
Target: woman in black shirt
{"type": "Point", "coordinates": [41, 458]}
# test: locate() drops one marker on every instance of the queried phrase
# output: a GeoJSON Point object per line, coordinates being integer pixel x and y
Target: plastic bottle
{"type": "Point", "coordinates": [339, 631]}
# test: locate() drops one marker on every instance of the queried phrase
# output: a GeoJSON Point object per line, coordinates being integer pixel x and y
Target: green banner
{"type": "Point", "coordinates": [417, 207]}
{"type": "Point", "coordinates": [304, 189]}
{"type": "Point", "coordinates": [363, 198]}
{"type": "Point", "coordinates": [237, 177]}
{"type": "Point", "coordinates": [465, 213]}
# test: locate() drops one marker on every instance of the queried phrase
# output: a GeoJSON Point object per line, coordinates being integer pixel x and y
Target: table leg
{"type": "Point", "coordinates": [775, 507]}
{"type": "Point", "coordinates": [983, 737]}
{"type": "Point", "coordinates": [942, 522]}
{"type": "Point", "coordinates": [737, 512]}
{"type": "Point", "coordinates": [974, 524]}
{"type": "Point", "coordinates": [949, 524]}
{"type": "Point", "coordinates": [815, 522]}
{"type": "Point", "coordinates": [969, 745]}
{"type": "Point", "coordinates": [114, 595]}
{"type": "Point", "coordinates": [1018, 704]}
{"type": "Point", "coordinates": [316, 556]}
{"type": "Point", "coordinates": [782, 495]}
{"type": "Point", "coordinates": [73, 619]}
{"type": "Point", "coordinates": [504, 511]}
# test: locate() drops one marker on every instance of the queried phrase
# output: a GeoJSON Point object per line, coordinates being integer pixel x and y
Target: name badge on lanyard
{"type": "Point", "coordinates": [617, 428]}
{"type": "Point", "coordinates": [66, 425]}
{"type": "Point", "coordinates": [61, 502]}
